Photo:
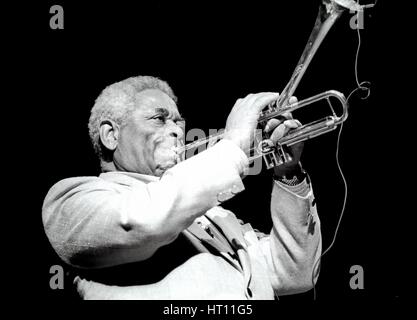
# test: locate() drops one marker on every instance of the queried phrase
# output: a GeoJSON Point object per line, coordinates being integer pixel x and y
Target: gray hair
{"type": "Point", "coordinates": [117, 101]}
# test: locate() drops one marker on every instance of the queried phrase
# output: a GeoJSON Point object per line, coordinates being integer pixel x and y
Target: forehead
{"type": "Point", "coordinates": [150, 99]}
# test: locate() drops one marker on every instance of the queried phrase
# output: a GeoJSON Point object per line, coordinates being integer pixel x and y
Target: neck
{"type": "Point", "coordinates": [108, 166]}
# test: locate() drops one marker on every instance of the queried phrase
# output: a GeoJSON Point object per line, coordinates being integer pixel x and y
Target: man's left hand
{"type": "Point", "coordinates": [279, 128]}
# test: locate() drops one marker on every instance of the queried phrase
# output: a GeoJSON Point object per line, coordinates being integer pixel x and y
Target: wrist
{"type": "Point", "coordinates": [285, 171]}
{"type": "Point", "coordinates": [234, 152]}
{"type": "Point", "coordinates": [290, 175]}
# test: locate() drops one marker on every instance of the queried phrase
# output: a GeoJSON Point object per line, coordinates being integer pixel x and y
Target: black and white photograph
{"type": "Point", "coordinates": [208, 156]}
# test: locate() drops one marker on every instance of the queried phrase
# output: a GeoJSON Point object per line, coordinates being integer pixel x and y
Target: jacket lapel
{"type": "Point", "coordinates": [232, 229]}
{"type": "Point", "coordinates": [235, 244]}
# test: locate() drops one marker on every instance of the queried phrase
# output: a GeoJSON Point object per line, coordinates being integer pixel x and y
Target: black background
{"type": "Point", "coordinates": [212, 54]}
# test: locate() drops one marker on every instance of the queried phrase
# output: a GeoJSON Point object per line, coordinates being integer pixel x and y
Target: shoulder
{"type": "Point", "coordinates": [68, 187]}
{"type": "Point", "coordinates": [75, 182]}
{"type": "Point", "coordinates": [111, 181]}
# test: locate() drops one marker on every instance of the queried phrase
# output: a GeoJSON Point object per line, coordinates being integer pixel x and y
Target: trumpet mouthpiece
{"type": "Point", "coordinates": [178, 150]}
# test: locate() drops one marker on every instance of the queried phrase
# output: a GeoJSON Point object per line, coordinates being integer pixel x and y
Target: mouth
{"type": "Point", "coordinates": [168, 155]}
{"type": "Point", "coordinates": [171, 158]}
{"type": "Point", "coordinates": [179, 152]}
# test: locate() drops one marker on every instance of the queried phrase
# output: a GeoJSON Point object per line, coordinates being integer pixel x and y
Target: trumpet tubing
{"type": "Point", "coordinates": [274, 155]}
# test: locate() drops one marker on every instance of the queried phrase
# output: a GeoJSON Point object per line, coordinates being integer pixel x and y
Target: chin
{"type": "Point", "coordinates": [160, 169]}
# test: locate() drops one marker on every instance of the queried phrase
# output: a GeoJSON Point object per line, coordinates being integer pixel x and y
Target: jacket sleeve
{"type": "Point", "coordinates": [93, 223]}
{"type": "Point", "coordinates": [294, 244]}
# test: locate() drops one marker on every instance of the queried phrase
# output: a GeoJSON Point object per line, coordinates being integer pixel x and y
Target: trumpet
{"type": "Point", "coordinates": [274, 154]}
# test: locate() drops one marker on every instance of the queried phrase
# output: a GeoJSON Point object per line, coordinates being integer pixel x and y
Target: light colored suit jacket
{"type": "Point", "coordinates": [121, 217]}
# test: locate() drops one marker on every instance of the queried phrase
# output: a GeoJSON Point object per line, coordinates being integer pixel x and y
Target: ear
{"type": "Point", "coordinates": [109, 134]}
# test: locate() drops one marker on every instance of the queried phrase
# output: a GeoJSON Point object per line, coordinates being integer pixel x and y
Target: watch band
{"type": "Point", "coordinates": [294, 178]}
{"type": "Point", "coordinates": [290, 182]}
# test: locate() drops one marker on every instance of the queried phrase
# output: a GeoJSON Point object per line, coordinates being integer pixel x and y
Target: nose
{"type": "Point", "coordinates": [175, 130]}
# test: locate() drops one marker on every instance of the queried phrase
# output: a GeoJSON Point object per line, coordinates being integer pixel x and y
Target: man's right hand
{"type": "Point", "coordinates": [243, 119]}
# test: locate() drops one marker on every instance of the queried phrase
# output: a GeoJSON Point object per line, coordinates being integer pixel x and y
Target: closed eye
{"type": "Point", "coordinates": [160, 118]}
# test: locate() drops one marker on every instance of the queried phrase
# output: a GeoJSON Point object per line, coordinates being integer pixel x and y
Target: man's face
{"type": "Point", "coordinates": [147, 140]}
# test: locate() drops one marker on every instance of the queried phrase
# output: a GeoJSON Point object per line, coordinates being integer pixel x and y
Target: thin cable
{"type": "Point", "coordinates": [361, 85]}
{"type": "Point", "coordinates": [341, 212]}
{"type": "Point", "coordinates": [344, 199]}
{"type": "Point", "coordinates": [357, 54]}
{"type": "Point", "coordinates": [364, 85]}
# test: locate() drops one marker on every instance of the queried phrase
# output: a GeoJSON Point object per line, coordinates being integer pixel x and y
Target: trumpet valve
{"type": "Point", "coordinates": [265, 146]}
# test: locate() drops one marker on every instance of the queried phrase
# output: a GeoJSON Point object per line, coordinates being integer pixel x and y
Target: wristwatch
{"type": "Point", "coordinates": [293, 178]}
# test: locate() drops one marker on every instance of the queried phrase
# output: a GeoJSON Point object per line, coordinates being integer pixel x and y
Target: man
{"type": "Point", "coordinates": [121, 230]}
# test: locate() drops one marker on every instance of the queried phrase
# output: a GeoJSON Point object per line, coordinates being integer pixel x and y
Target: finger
{"type": "Point", "coordinates": [252, 97]}
{"type": "Point", "coordinates": [292, 100]}
{"type": "Point", "coordinates": [262, 100]}
{"type": "Point", "coordinates": [298, 122]}
{"type": "Point", "coordinates": [279, 132]}
{"type": "Point", "coordinates": [283, 129]}
{"type": "Point", "coordinates": [249, 96]}
{"type": "Point", "coordinates": [272, 124]}
{"type": "Point", "coordinates": [262, 95]}
{"type": "Point", "coordinates": [292, 124]}
{"type": "Point", "coordinates": [275, 122]}
{"type": "Point", "coordinates": [250, 101]}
